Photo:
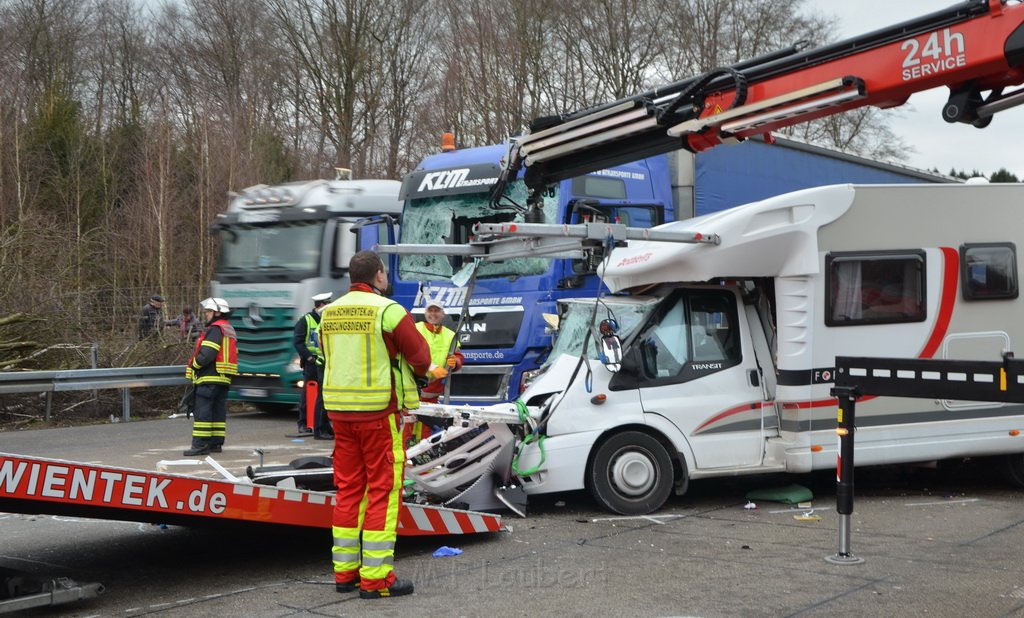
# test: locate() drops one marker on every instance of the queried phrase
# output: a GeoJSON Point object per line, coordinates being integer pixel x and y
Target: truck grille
{"type": "Point", "coordinates": [265, 345]}
{"type": "Point", "coordinates": [481, 383]}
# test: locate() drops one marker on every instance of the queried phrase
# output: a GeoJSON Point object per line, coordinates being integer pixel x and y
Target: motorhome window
{"type": "Point", "coordinates": [988, 271]}
{"type": "Point", "coordinates": [600, 187]}
{"type": "Point", "coordinates": [576, 316]}
{"type": "Point", "coordinates": [449, 220]}
{"type": "Point", "coordinates": [875, 288]}
{"type": "Point", "coordinates": [697, 334]}
{"type": "Point", "coordinates": [280, 247]}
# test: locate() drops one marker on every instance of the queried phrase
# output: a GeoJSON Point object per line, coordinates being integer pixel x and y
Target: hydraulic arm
{"type": "Point", "coordinates": [975, 48]}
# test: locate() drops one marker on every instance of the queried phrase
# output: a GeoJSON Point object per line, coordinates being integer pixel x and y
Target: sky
{"type": "Point", "coordinates": [919, 122]}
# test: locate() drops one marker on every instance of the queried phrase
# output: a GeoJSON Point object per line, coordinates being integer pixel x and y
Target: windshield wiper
{"type": "Point", "coordinates": [511, 276]}
{"type": "Point", "coordinates": [435, 275]}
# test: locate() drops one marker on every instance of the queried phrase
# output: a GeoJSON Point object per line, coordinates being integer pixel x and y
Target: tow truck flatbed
{"type": "Point", "coordinates": [37, 485]}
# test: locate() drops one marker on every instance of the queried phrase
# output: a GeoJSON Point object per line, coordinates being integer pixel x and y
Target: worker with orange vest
{"type": "Point", "coordinates": [372, 353]}
{"type": "Point", "coordinates": [214, 361]}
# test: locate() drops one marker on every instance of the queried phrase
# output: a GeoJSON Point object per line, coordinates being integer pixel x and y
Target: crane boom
{"type": "Point", "coordinates": [975, 48]}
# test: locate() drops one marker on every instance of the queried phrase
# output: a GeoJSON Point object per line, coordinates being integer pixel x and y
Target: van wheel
{"type": "Point", "coordinates": [630, 474]}
{"type": "Point", "coordinates": [1013, 469]}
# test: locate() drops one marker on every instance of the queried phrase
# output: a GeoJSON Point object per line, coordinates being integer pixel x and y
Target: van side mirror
{"type": "Point", "coordinates": [611, 347]}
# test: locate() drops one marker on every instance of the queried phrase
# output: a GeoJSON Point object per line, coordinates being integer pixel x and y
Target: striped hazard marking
{"type": "Point", "coordinates": [421, 520]}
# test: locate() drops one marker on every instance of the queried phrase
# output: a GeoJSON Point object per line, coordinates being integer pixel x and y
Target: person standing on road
{"type": "Point", "coordinates": [372, 353]}
{"type": "Point", "coordinates": [213, 362]}
{"type": "Point", "coordinates": [439, 338]}
{"type": "Point", "coordinates": [307, 345]}
{"type": "Point", "coordinates": [152, 317]}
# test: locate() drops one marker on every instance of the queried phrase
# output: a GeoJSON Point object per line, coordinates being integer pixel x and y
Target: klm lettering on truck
{"type": "Point", "coordinates": [452, 179]}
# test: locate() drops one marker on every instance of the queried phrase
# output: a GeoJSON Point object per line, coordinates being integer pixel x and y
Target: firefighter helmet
{"type": "Point", "coordinates": [215, 304]}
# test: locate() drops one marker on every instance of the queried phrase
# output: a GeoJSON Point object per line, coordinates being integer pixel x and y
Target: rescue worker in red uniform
{"type": "Point", "coordinates": [213, 362]}
{"type": "Point", "coordinates": [440, 338]}
{"type": "Point", "coordinates": [372, 353]}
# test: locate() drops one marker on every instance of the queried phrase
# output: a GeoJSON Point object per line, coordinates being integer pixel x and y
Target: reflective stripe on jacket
{"type": "Point", "coordinates": [359, 374]}
{"type": "Point", "coordinates": [313, 338]}
{"type": "Point", "coordinates": [213, 361]}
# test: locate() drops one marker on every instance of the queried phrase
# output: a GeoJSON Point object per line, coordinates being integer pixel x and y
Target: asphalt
{"type": "Point", "coordinates": [934, 542]}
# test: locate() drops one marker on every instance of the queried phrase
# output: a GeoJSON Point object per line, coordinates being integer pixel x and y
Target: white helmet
{"type": "Point", "coordinates": [215, 304]}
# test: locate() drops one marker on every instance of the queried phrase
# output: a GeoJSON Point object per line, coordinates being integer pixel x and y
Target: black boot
{"type": "Point", "coordinates": [400, 587]}
{"type": "Point", "coordinates": [201, 449]}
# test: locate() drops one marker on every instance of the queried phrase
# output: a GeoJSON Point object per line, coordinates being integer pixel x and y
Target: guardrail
{"type": "Point", "coordinates": [123, 378]}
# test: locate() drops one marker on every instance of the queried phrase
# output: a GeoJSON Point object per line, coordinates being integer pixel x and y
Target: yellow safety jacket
{"type": "Point", "coordinates": [313, 338]}
{"type": "Point", "coordinates": [358, 373]}
{"type": "Point", "coordinates": [439, 342]}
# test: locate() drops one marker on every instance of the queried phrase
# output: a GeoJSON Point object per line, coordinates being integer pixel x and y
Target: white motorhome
{"type": "Point", "coordinates": [729, 348]}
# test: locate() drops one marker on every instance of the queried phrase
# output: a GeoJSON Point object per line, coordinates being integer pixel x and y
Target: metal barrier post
{"type": "Point", "coordinates": [845, 428]}
{"type": "Point", "coordinates": [94, 362]}
{"type": "Point", "coordinates": [49, 406]}
{"type": "Point", "coordinates": [126, 405]}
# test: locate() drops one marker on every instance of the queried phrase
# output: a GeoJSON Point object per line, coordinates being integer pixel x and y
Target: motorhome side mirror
{"type": "Point", "coordinates": [611, 352]}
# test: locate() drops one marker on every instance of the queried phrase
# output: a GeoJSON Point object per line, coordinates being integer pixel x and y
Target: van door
{"type": "Point", "coordinates": [697, 368]}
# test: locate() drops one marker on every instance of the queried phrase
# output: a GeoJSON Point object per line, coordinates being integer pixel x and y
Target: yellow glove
{"type": "Point", "coordinates": [437, 373]}
{"type": "Point", "coordinates": [452, 361]}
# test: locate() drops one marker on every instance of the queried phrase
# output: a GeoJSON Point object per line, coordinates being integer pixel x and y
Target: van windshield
{"type": "Point", "coordinates": [578, 317]}
{"type": "Point", "coordinates": [450, 219]}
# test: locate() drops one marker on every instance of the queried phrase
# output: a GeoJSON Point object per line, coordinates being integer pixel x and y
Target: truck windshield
{"type": "Point", "coordinates": [450, 220]}
{"type": "Point", "coordinates": [577, 318]}
{"type": "Point", "coordinates": [293, 246]}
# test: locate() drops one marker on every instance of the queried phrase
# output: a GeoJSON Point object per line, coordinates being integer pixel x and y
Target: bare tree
{"type": "Point", "coordinates": [496, 60]}
{"type": "Point", "coordinates": [620, 44]}
{"type": "Point", "coordinates": [400, 89]}
{"type": "Point", "coordinates": [333, 45]}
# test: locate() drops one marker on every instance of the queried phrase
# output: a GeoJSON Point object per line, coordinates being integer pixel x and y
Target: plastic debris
{"type": "Point", "coordinates": [807, 517]}
{"type": "Point", "coordinates": [444, 550]}
{"type": "Point", "coordinates": [750, 506]}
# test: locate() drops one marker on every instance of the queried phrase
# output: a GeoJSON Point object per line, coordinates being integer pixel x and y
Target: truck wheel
{"type": "Point", "coordinates": [630, 474]}
{"type": "Point", "coordinates": [1013, 469]}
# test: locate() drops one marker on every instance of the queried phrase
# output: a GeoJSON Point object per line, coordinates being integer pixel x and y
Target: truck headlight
{"type": "Point", "coordinates": [527, 377]}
